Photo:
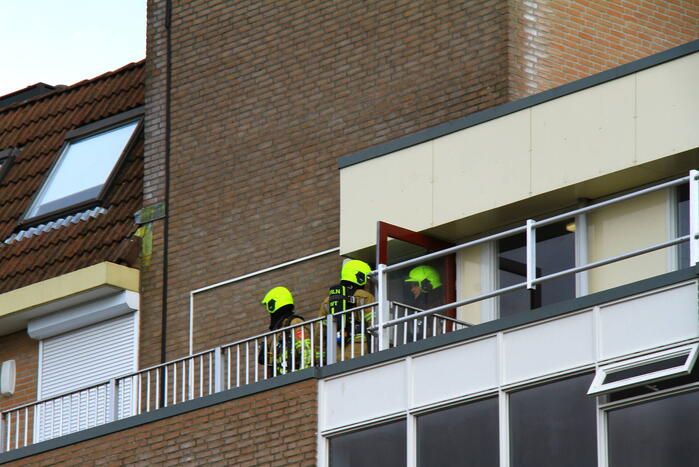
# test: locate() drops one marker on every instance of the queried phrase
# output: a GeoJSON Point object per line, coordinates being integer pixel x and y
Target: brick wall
{"type": "Point", "coordinates": [242, 432]}
{"type": "Point", "coordinates": [25, 352]}
{"type": "Point", "coordinates": [266, 96]}
{"type": "Point", "coordinates": [555, 42]}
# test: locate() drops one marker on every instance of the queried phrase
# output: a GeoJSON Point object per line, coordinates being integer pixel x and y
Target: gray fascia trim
{"type": "Point", "coordinates": [160, 414]}
{"type": "Point", "coordinates": [515, 106]}
{"type": "Point", "coordinates": [481, 330]}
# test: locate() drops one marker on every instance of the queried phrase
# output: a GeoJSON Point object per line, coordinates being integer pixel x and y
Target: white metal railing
{"type": "Point", "coordinates": [414, 329]}
{"type": "Point", "coordinates": [316, 342]}
{"type": "Point", "coordinates": [387, 323]}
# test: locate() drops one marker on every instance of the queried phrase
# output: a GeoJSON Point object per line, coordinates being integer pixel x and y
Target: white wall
{"type": "Point", "coordinates": [513, 357]}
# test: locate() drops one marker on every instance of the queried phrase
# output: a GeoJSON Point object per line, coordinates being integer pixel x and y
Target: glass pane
{"type": "Point", "coordinates": [663, 432]}
{"type": "Point", "coordinates": [383, 445]}
{"type": "Point", "coordinates": [554, 424]}
{"type": "Point", "coordinates": [555, 251]}
{"type": "Point", "coordinates": [615, 376]}
{"type": "Point", "coordinates": [466, 435]}
{"type": "Point", "coordinates": [83, 168]}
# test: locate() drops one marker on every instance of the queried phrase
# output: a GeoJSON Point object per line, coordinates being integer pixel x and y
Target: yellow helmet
{"type": "Point", "coordinates": [355, 271]}
{"type": "Point", "coordinates": [427, 278]}
{"type": "Point", "coordinates": [277, 298]}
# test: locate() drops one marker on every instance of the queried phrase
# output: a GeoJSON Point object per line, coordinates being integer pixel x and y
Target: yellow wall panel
{"type": "Point", "coordinates": [626, 226]}
{"type": "Point", "coordinates": [668, 108]}
{"type": "Point", "coordinates": [471, 163]}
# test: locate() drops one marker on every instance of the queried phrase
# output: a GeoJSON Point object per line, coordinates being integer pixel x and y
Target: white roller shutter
{"type": "Point", "coordinates": [78, 359]}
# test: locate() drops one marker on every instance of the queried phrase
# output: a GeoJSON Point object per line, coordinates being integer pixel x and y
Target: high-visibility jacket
{"type": "Point", "coordinates": [353, 335]}
{"type": "Point", "coordinates": [279, 353]}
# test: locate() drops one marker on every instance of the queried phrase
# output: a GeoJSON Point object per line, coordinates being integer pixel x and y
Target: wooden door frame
{"type": "Point", "coordinates": [384, 231]}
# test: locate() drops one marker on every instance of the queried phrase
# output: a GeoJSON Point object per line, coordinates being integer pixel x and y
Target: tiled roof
{"type": "Point", "coordinates": [37, 128]}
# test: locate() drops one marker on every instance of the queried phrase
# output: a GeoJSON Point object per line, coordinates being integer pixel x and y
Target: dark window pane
{"type": "Point", "coordinates": [555, 251]}
{"type": "Point", "coordinates": [383, 445]}
{"type": "Point", "coordinates": [554, 424]}
{"type": "Point", "coordinates": [645, 369]}
{"type": "Point", "coordinates": [663, 432]}
{"type": "Point", "coordinates": [683, 224]}
{"type": "Point", "coordinates": [466, 435]}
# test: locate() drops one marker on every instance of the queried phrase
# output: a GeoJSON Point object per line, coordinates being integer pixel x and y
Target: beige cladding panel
{"type": "Point", "coordinates": [481, 168]}
{"type": "Point", "coordinates": [626, 226]}
{"type": "Point", "coordinates": [583, 135]}
{"type": "Point", "coordinates": [668, 109]}
{"type": "Point", "coordinates": [396, 188]}
{"type": "Point", "coordinates": [469, 275]}
{"type": "Point", "coordinates": [598, 131]}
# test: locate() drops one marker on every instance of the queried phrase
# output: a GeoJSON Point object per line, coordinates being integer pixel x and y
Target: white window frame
{"type": "Point", "coordinates": [599, 387]}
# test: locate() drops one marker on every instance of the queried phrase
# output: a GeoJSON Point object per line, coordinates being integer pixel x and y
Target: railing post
{"type": "Point", "coordinates": [218, 369]}
{"type": "Point", "coordinates": [693, 217]}
{"type": "Point", "coordinates": [531, 254]}
{"type": "Point", "coordinates": [382, 298]}
{"type": "Point", "coordinates": [112, 401]}
{"type": "Point", "coordinates": [2, 432]}
{"type": "Point", "coordinates": [331, 340]}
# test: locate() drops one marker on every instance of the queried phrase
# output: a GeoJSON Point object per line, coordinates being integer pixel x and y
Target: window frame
{"type": "Point", "coordinates": [7, 158]}
{"type": "Point", "coordinates": [74, 135]}
{"type": "Point", "coordinates": [580, 256]}
{"type": "Point", "coordinates": [598, 387]}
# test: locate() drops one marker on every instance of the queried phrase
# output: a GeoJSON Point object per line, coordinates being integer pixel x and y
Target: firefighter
{"type": "Point", "coordinates": [277, 348]}
{"type": "Point", "coordinates": [352, 329]}
{"type": "Point", "coordinates": [425, 293]}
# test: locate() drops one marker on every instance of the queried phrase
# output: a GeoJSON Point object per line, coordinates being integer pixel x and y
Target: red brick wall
{"type": "Point", "coordinates": [266, 96]}
{"type": "Point", "coordinates": [270, 428]}
{"type": "Point", "coordinates": [25, 352]}
{"type": "Point", "coordinates": [555, 42]}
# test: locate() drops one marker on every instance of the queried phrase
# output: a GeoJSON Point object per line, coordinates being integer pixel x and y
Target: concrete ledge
{"type": "Point", "coordinates": [65, 290]}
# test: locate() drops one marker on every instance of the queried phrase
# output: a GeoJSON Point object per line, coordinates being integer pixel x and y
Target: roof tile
{"type": "Point", "coordinates": [38, 127]}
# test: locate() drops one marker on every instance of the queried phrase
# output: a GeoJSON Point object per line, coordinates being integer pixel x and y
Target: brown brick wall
{"type": "Point", "coordinates": [266, 97]}
{"type": "Point", "coordinates": [25, 352]}
{"type": "Point", "coordinates": [555, 42]}
{"type": "Point", "coordinates": [151, 299]}
{"type": "Point", "coordinates": [273, 428]}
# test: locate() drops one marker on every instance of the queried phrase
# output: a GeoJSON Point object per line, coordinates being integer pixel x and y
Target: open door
{"type": "Point", "coordinates": [405, 245]}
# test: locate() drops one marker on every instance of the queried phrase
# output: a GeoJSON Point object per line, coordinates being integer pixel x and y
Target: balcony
{"type": "Point", "coordinates": [384, 328]}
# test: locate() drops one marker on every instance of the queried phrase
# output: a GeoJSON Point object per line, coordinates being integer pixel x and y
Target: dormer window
{"type": "Point", "coordinates": [87, 162]}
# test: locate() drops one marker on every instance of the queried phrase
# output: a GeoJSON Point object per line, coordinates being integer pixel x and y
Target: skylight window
{"type": "Point", "coordinates": [82, 170]}
{"type": "Point", "coordinates": [6, 157]}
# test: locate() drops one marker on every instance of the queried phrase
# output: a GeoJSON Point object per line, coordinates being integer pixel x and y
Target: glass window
{"type": "Point", "coordinates": [654, 433]}
{"type": "Point", "coordinates": [466, 435]}
{"type": "Point", "coordinates": [554, 424]}
{"type": "Point", "coordinates": [555, 251]}
{"type": "Point", "coordinates": [640, 371]}
{"type": "Point", "coordinates": [82, 170]}
{"type": "Point", "coordinates": [383, 445]}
